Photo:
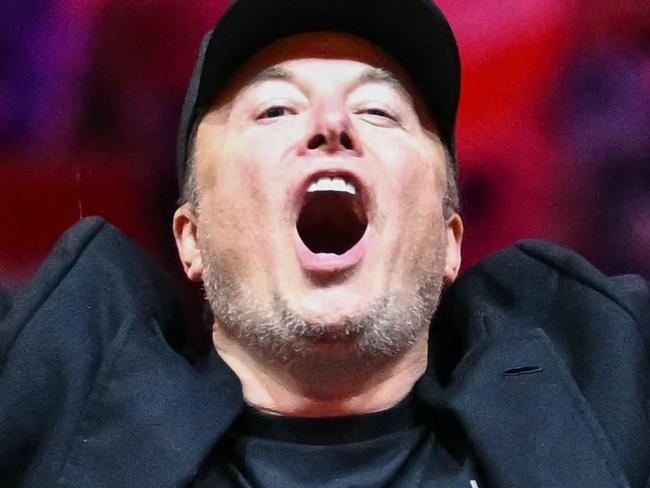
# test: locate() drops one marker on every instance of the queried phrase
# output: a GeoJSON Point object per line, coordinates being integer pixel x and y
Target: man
{"type": "Point", "coordinates": [316, 155]}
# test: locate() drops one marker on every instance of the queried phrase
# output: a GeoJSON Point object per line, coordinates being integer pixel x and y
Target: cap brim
{"type": "Point", "coordinates": [414, 32]}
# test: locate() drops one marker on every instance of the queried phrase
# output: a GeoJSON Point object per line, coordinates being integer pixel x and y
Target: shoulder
{"type": "Point", "coordinates": [94, 275]}
{"type": "Point", "coordinates": [93, 283]}
{"type": "Point", "coordinates": [571, 278]}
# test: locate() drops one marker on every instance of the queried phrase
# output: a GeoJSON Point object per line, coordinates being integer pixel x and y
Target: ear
{"type": "Point", "coordinates": [454, 231]}
{"type": "Point", "coordinates": [185, 233]}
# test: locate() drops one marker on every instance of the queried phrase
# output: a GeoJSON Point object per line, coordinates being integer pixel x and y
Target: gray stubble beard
{"type": "Point", "coordinates": [281, 337]}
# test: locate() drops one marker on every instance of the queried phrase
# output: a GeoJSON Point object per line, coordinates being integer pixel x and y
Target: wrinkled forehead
{"type": "Point", "coordinates": [327, 46]}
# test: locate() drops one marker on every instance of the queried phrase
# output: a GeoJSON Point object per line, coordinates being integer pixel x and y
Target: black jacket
{"type": "Point", "coordinates": [538, 365]}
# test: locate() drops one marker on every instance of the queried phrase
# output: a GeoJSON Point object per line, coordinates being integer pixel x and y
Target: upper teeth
{"type": "Point", "coordinates": [326, 183]}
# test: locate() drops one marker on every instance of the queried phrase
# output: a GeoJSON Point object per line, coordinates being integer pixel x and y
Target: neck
{"type": "Point", "coordinates": [310, 390]}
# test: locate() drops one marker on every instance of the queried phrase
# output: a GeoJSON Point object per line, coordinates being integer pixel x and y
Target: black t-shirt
{"type": "Point", "coordinates": [393, 448]}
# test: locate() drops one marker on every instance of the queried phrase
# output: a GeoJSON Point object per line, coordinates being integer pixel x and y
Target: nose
{"type": "Point", "coordinates": [332, 130]}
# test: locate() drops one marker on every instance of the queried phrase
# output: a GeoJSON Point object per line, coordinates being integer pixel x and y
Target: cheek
{"type": "Point", "coordinates": [413, 183]}
{"type": "Point", "coordinates": [418, 188]}
{"type": "Point", "coordinates": [228, 200]}
{"type": "Point", "coordinates": [241, 173]}
{"type": "Point", "coordinates": [246, 196]}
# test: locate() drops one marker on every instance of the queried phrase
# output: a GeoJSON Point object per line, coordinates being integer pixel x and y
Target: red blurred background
{"type": "Point", "coordinates": [553, 135]}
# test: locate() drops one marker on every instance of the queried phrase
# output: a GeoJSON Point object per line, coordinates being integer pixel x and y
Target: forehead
{"type": "Point", "coordinates": [304, 51]}
{"type": "Point", "coordinates": [328, 71]}
{"type": "Point", "coordinates": [321, 45]}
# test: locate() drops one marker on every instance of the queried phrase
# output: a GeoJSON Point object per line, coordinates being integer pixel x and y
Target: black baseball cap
{"type": "Point", "coordinates": [413, 32]}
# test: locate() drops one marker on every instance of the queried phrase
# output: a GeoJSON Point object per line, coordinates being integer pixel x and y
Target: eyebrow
{"type": "Point", "coordinates": [382, 75]}
{"type": "Point", "coordinates": [272, 73]}
{"type": "Point", "coordinates": [370, 75]}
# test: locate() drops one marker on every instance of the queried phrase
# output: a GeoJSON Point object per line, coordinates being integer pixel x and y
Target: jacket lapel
{"type": "Point", "coordinates": [525, 419]}
{"type": "Point", "coordinates": [151, 418]}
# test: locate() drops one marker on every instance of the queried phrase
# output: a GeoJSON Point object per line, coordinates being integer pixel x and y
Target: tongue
{"type": "Point", "coordinates": [331, 222]}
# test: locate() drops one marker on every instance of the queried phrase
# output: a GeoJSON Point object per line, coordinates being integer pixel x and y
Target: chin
{"type": "Point", "coordinates": [330, 319]}
{"type": "Point", "coordinates": [333, 305]}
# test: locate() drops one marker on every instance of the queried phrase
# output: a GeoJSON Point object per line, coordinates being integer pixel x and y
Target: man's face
{"type": "Point", "coordinates": [320, 200]}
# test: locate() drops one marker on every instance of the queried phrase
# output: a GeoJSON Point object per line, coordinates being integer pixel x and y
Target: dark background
{"type": "Point", "coordinates": [553, 137]}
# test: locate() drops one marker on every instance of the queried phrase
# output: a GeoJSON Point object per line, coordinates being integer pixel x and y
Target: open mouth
{"type": "Point", "coordinates": [333, 217]}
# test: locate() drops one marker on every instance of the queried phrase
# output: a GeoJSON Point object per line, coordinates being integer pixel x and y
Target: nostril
{"type": "Point", "coordinates": [316, 141]}
{"type": "Point", "coordinates": [346, 142]}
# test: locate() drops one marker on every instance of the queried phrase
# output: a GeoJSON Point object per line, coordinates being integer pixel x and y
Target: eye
{"type": "Point", "coordinates": [274, 112]}
{"type": "Point", "coordinates": [380, 114]}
